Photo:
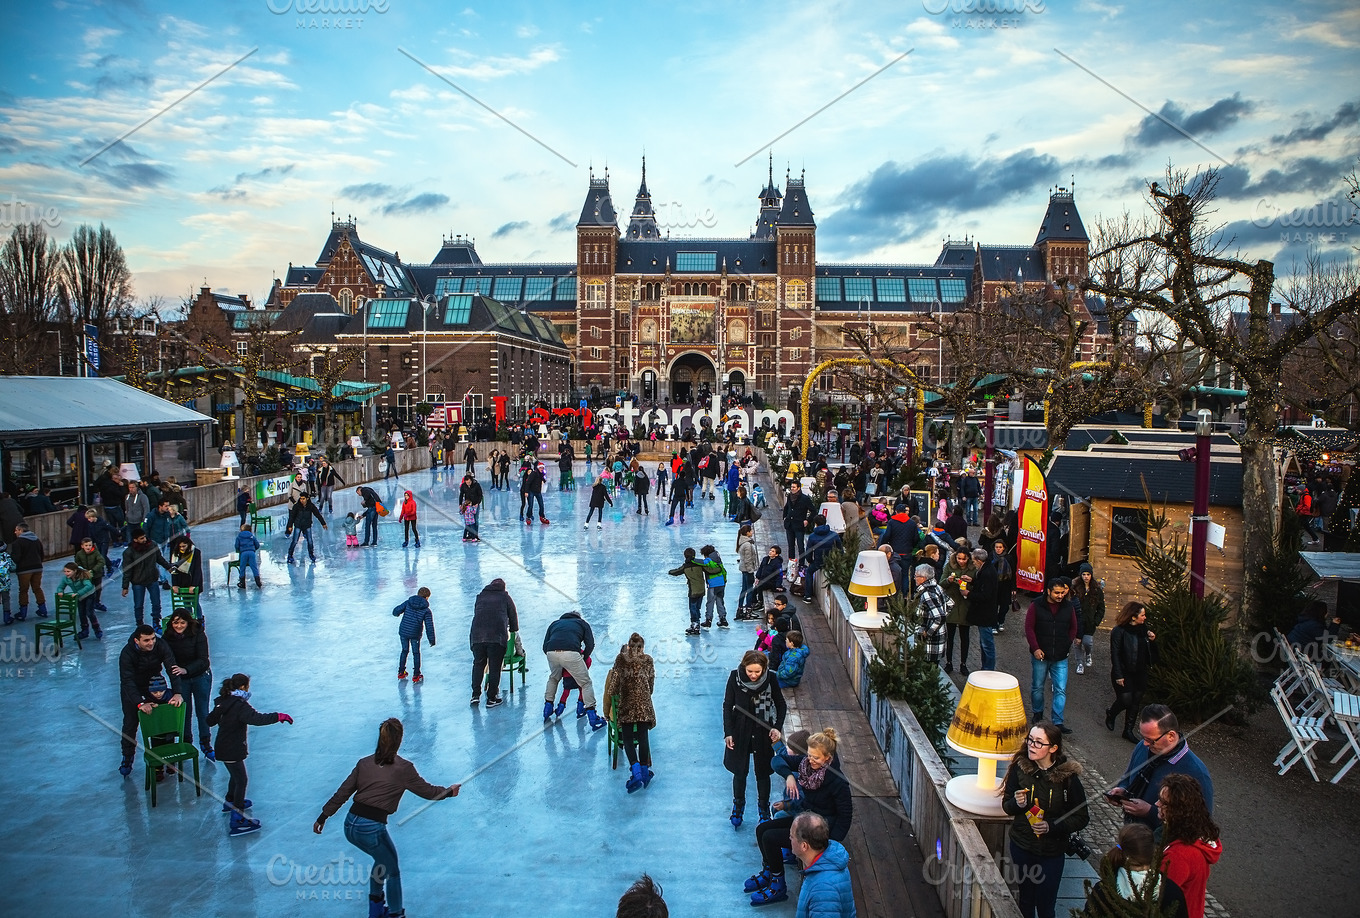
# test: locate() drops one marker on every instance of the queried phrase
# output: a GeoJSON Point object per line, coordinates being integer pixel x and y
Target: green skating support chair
{"type": "Point", "coordinates": [164, 720]}
{"type": "Point", "coordinates": [63, 621]}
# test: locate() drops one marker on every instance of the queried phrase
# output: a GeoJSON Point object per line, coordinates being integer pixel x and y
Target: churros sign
{"type": "Point", "coordinates": [1033, 513]}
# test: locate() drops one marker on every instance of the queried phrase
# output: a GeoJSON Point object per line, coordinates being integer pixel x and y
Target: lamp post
{"type": "Point", "coordinates": [426, 305]}
{"type": "Point", "coordinates": [911, 429]}
{"type": "Point", "coordinates": [1199, 540]}
{"type": "Point", "coordinates": [989, 464]}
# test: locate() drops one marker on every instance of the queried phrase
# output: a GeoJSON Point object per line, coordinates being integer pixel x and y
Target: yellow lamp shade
{"type": "Point", "coordinates": [302, 450]}
{"type": "Point", "coordinates": [990, 721]}
{"type": "Point", "coordinates": [872, 576]}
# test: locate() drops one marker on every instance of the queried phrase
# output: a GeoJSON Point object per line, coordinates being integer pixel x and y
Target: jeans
{"type": "Point", "coordinates": [696, 604]}
{"type": "Point", "coordinates": [326, 501]}
{"type": "Point", "coordinates": [487, 657]}
{"type": "Point", "coordinates": [249, 561]}
{"type": "Point", "coordinates": [598, 512]}
{"type": "Point", "coordinates": [1040, 878]}
{"type": "Point", "coordinates": [139, 594]}
{"type": "Point", "coordinates": [678, 501]}
{"type": "Point", "coordinates": [298, 533]}
{"type": "Point", "coordinates": [391, 471]}
{"type": "Point", "coordinates": [987, 644]}
{"type": "Point", "coordinates": [971, 510]}
{"type": "Point", "coordinates": [410, 645]}
{"type": "Point", "coordinates": [196, 690]}
{"type": "Point", "coordinates": [1055, 671]}
{"type": "Point", "coordinates": [529, 499]}
{"type": "Point", "coordinates": [715, 598]}
{"type": "Point", "coordinates": [642, 503]}
{"type": "Point", "coordinates": [746, 597]}
{"type": "Point", "coordinates": [84, 608]}
{"type": "Point", "coordinates": [370, 525]}
{"type": "Point", "coordinates": [372, 839]}
{"type": "Point", "coordinates": [797, 539]}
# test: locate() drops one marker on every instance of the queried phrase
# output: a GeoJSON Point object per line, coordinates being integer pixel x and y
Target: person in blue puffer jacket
{"type": "Point", "coordinates": [415, 614]}
{"type": "Point", "coordinates": [826, 892]}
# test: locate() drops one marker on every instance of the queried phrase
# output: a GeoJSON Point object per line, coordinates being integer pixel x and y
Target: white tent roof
{"type": "Point", "coordinates": [34, 404]}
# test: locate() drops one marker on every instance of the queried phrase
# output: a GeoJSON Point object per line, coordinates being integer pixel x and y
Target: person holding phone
{"type": "Point", "coordinates": [1043, 795]}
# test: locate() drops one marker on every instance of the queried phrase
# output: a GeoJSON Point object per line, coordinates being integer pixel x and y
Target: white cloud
{"type": "Point", "coordinates": [95, 37]}
{"type": "Point", "coordinates": [495, 66]}
{"type": "Point", "coordinates": [527, 31]}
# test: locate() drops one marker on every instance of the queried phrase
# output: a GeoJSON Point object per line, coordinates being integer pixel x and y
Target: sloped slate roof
{"type": "Point", "coordinates": [459, 251]}
{"type": "Point", "coordinates": [598, 209]}
{"type": "Point", "coordinates": [1002, 262]}
{"type": "Point", "coordinates": [796, 211]}
{"type": "Point", "coordinates": [1062, 223]}
{"type": "Point", "coordinates": [1116, 477]}
{"type": "Point", "coordinates": [303, 307]}
{"type": "Point", "coordinates": [30, 404]}
{"type": "Point", "coordinates": [741, 256]}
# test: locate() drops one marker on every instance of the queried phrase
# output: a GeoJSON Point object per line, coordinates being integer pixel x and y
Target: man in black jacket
{"type": "Point", "coordinates": [140, 560]}
{"type": "Point", "coordinates": [798, 512]}
{"type": "Point", "coordinates": [533, 491]}
{"type": "Point", "coordinates": [326, 480]}
{"type": "Point", "coordinates": [142, 661]}
{"type": "Point", "coordinates": [300, 524]}
{"type": "Point", "coordinates": [494, 620]}
{"type": "Point", "coordinates": [567, 644]}
{"type": "Point", "coordinates": [902, 532]}
{"type": "Point", "coordinates": [982, 605]}
{"type": "Point", "coordinates": [370, 499]}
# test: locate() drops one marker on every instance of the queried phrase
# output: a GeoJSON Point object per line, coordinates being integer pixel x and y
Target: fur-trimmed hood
{"type": "Point", "coordinates": [1062, 769]}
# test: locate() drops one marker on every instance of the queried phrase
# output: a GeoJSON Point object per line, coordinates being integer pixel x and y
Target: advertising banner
{"type": "Point", "coordinates": [1031, 550]}
{"type": "Point", "coordinates": [272, 487]}
{"type": "Point", "coordinates": [91, 350]}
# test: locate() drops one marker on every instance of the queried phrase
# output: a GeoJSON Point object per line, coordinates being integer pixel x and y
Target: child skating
{"type": "Point", "coordinates": [415, 615]}
{"type": "Point", "coordinates": [231, 716]}
{"type": "Point", "coordinates": [350, 525]}
{"type": "Point", "coordinates": [695, 577]}
{"type": "Point", "coordinates": [76, 582]}
{"type": "Point", "coordinates": [248, 554]}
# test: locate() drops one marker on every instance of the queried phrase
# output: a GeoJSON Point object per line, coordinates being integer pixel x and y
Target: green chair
{"type": "Point", "coordinates": [236, 563]}
{"type": "Point", "coordinates": [260, 521]}
{"type": "Point", "coordinates": [63, 621]}
{"type": "Point", "coordinates": [513, 662]}
{"type": "Point", "coordinates": [615, 731]}
{"type": "Point", "coordinates": [165, 720]}
{"type": "Point", "coordinates": [186, 598]}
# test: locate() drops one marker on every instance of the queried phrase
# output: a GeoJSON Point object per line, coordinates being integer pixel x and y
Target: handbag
{"type": "Point", "coordinates": [755, 513]}
{"type": "Point", "coordinates": [382, 511]}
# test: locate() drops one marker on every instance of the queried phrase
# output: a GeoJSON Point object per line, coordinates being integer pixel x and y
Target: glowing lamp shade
{"type": "Point", "coordinates": [834, 518]}
{"type": "Point", "coordinates": [302, 450]}
{"type": "Point", "coordinates": [990, 724]}
{"type": "Point", "coordinates": [871, 579]}
{"type": "Point", "coordinates": [128, 472]}
{"type": "Point", "coordinates": [229, 462]}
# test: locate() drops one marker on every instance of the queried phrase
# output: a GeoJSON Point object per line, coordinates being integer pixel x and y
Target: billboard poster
{"type": "Point", "coordinates": [91, 350]}
{"type": "Point", "coordinates": [272, 487]}
{"type": "Point", "coordinates": [692, 323]}
{"type": "Point", "coordinates": [1031, 548]}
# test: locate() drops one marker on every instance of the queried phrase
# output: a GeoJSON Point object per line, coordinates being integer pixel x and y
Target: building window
{"type": "Point", "coordinates": [795, 353]}
{"type": "Point", "coordinates": [595, 295]}
{"type": "Point", "coordinates": [242, 348]}
{"type": "Point", "coordinates": [594, 331]}
{"type": "Point", "coordinates": [346, 301]}
{"type": "Point", "coordinates": [795, 292]}
{"type": "Point", "coordinates": [796, 333]}
{"type": "Point", "coordinates": [594, 353]}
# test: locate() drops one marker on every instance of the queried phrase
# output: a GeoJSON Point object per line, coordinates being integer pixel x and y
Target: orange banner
{"type": "Point", "coordinates": [1031, 549]}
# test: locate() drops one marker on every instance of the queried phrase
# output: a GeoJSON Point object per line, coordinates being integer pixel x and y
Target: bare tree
{"type": "Point", "coordinates": [1175, 262]}
{"type": "Point", "coordinates": [330, 366]}
{"type": "Point", "coordinates": [1172, 364]}
{"type": "Point", "coordinates": [264, 351]}
{"type": "Point", "coordinates": [28, 286]}
{"type": "Point", "coordinates": [94, 283]}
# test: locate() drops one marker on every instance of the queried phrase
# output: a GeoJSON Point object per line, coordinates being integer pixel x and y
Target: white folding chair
{"type": "Point", "coordinates": [1318, 691]}
{"type": "Point", "coordinates": [1346, 714]}
{"type": "Point", "coordinates": [1291, 677]}
{"type": "Point", "coordinates": [1304, 734]}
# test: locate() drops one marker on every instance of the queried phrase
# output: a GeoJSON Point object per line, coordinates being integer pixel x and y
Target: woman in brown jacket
{"type": "Point", "coordinates": [632, 680]}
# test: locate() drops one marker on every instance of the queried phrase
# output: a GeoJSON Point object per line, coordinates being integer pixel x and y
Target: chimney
{"type": "Point", "coordinates": [1275, 310]}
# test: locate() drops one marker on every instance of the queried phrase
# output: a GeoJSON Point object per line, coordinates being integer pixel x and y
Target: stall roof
{"type": "Point", "coordinates": [1122, 477]}
{"type": "Point", "coordinates": [32, 404]}
{"type": "Point", "coordinates": [1334, 565]}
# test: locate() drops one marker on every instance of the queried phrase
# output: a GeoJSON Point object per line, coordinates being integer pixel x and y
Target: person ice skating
{"type": "Point", "coordinates": [186, 571]}
{"type": "Point", "coordinates": [232, 715]}
{"type": "Point", "coordinates": [818, 786]}
{"type": "Point", "coordinates": [696, 585]}
{"type": "Point", "coordinates": [633, 679]}
{"type": "Point", "coordinates": [76, 583]}
{"type": "Point", "coordinates": [143, 660]}
{"type": "Point", "coordinates": [327, 478]}
{"type": "Point", "coordinates": [415, 614]}
{"type": "Point", "coordinates": [371, 503]}
{"type": "Point", "coordinates": [390, 460]}
{"type": "Point", "coordinates": [569, 685]}
{"type": "Point", "coordinates": [350, 526]}
{"type": "Point", "coordinates": [300, 525]}
{"type": "Point", "coordinates": [89, 559]}
{"type": "Point", "coordinates": [470, 499]}
{"type": "Point", "coordinates": [753, 721]}
{"type": "Point", "coordinates": [642, 486]}
{"type": "Point", "coordinates": [715, 577]}
{"type": "Point", "coordinates": [242, 504]}
{"type": "Point", "coordinates": [533, 491]}
{"type": "Point", "coordinates": [248, 554]}
{"type": "Point", "coordinates": [1043, 795]}
{"type": "Point", "coordinates": [27, 553]}
{"type": "Point", "coordinates": [642, 900]}
{"type": "Point", "coordinates": [377, 784]}
{"type": "Point", "coordinates": [407, 515]}
{"type": "Point", "coordinates": [566, 644]}
{"type": "Point", "coordinates": [470, 459]}
{"type": "Point", "coordinates": [677, 501]}
{"type": "Point", "coordinates": [662, 474]}
{"type": "Point", "coordinates": [495, 620]}
{"type": "Point", "coordinates": [188, 645]}
{"type": "Point", "coordinates": [748, 560]}
{"type": "Point", "coordinates": [140, 560]}
{"type": "Point", "coordinates": [599, 495]}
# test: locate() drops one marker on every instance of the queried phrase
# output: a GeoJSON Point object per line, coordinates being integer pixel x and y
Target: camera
{"type": "Point", "coordinates": [1077, 847]}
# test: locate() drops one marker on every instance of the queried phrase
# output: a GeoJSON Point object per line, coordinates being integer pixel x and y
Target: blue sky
{"type": "Point", "coordinates": [964, 135]}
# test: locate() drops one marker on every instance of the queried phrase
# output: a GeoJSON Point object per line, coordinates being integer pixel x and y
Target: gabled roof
{"type": "Point", "coordinates": [322, 328]}
{"type": "Point", "coordinates": [796, 211]}
{"type": "Point", "coordinates": [956, 254]}
{"type": "Point", "coordinates": [598, 209]}
{"type": "Point", "coordinates": [303, 307]}
{"type": "Point", "coordinates": [1061, 223]}
{"type": "Point", "coordinates": [34, 404]}
{"type": "Point", "coordinates": [299, 276]}
{"type": "Point", "coordinates": [339, 230]}
{"type": "Point", "coordinates": [1119, 477]}
{"type": "Point", "coordinates": [1007, 262]}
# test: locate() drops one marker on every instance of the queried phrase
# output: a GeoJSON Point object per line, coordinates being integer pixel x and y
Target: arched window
{"type": "Point", "coordinates": [347, 301]}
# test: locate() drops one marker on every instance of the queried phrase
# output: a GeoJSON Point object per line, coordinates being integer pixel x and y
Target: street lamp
{"type": "Point", "coordinates": [911, 429]}
{"type": "Point", "coordinates": [1199, 522]}
{"type": "Point", "coordinates": [427, 304]}
{"type": "Point", "coordinates": [989, 463]}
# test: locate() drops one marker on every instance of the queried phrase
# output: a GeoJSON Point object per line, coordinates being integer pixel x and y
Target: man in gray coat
{"type": "Point", "coordinates": [494, 620]}
{"type": "Point", "coordinates": [136, 508]}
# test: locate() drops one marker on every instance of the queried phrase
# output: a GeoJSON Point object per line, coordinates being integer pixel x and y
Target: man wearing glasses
{"type": "Point", "coordinates": [1163, 751]}
{"type": "Point", "coordinates": [1051, 627]}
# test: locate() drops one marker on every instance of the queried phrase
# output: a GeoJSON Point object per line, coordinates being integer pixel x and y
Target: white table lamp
{"type": "Point", "coordinates": [834, 518]}
{"type": "Point", "coordinates": [229, 462]}
{"type": "Point", "coordinates": [872, 578]}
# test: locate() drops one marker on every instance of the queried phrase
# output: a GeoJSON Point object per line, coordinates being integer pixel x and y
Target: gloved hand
{"type": "Point", "coordinates": [285, 719]}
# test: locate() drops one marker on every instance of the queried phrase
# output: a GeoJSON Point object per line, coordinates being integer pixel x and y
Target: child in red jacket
{"type": "Point", "coordinates": [408, 520]}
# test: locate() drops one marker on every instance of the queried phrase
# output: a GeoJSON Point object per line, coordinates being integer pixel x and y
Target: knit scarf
{"type": "Point", "coordinates": [762, 698]}
{"type": "Point", "coordinates": [811, 778]}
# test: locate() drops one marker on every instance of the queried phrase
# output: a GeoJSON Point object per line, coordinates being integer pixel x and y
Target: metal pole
{"type": "Point", "coordinates": [1200, 521]}
{"type": "Point", "coordinates": [911, 431]}
{"type": "Point", "coordinates": [989, 466]}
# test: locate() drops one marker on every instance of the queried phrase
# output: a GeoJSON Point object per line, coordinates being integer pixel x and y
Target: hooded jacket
{"type": "Point", "coordinates": [694, 575]}
{"type": "Point", "coordinates": [1058, 791]}
{"type": "Point", "coordinates": [415, 613]}
{"type": "Point", "coordinates": [139, 564]}
{"type": "Point", "coordinates": [494, 616]}
{"type": "Point", "coordinates": [820, 541]}
{"type": "Point", "coordinates": [570, 632]}
{"type": "Point", "coordinates": [599, 495]}
{"type": "Point", "coordinates": [231, 716]}
{"type": "Point", "coordinates": [827, 891]}
{"type": "Point", "coordinates": [408, 507]}
{"type": "Point", "coordinates": [137, 667]}
{"type": "Point", "coordinates": [187, 570]}
{"type": "Point", "coordinates": [27, 552]}
{"type": "Point", "coordinates": [136, 507]}
{"type": "Point", "coordinates": [94, 563]}
{"type": "Point", "coordinates": [748, 559]}
{"type": "Point", "coordinates": [1188, 867]}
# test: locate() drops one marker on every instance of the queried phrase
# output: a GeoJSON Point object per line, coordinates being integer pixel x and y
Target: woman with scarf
{"type": "Point", "coordinates": [815, 784]}
{"type": "Point", "coordinates": [753, 721]}
{"type": "Point", "coordinates": [632, 679]}
{"type": "Point", "coordinates": [186, 571]}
